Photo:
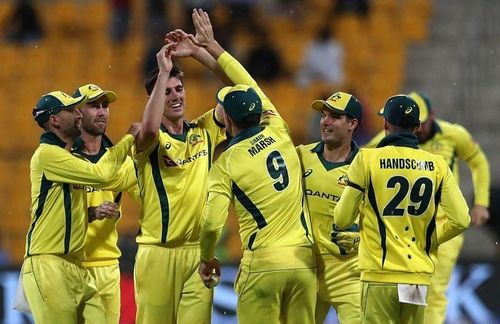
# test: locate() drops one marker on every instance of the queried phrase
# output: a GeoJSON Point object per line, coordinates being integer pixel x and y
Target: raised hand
{"type": "Point", "coordinates": [164, 57]}
{"type": "Point", "coordinates": [186, 43]}
{"type": "Point", "coordinates": [203, 26]}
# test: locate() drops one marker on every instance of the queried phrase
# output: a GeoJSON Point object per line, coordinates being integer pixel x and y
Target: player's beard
{"type": "Point", "coordinates": [94, 128]}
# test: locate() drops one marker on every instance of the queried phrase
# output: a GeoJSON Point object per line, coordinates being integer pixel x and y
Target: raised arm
{"type": "Point", "coordinates": [153, 113]}
{"type": "Point", "coordinates": [236, 73]}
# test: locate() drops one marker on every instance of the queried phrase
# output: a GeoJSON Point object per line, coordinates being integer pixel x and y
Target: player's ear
{"type": "Point", "coordinates": [54, 121]}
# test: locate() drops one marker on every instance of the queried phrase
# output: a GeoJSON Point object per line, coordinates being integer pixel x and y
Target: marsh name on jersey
{"type": "Point", "coordinates": [259, 143]}
{"type": "Point", "coordinates": [412, 164]}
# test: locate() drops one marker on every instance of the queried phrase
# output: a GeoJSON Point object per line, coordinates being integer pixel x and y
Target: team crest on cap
{"type": "Point", "coordinates": [335, 96]}
{"type": "Point", "coordinates": [195, 139]}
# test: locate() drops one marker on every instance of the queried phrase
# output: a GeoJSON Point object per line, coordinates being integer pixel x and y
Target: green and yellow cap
{"type": "Point", "coordinates": [424, 104]}
{"type": "Point", "coordinates": [239, 101]}
{"type": "Point", "coordinates": [401, 110]}
{"type": "Point", "coordinates": [94, 92]}
{"type": "Point", "coordinates": [54, 102]}
{"type": "Point", "coordinates": [341, 103]}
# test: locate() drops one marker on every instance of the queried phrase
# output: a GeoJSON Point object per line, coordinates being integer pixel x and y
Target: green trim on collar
{"type": "Point", "coordinates": [320, 147]}
{"type": "Point", "coordinates": [180, 137]}
{"type": "Point", "coordinates": [52, 139]}
{"type": "Point", "coordinates": [94, 158]}
{"type": "Point", "coordinates": [404, 139]}
{"type": "Point", "coordinates": [247, 133]}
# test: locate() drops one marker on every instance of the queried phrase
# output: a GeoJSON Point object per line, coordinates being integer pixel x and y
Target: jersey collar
{"type": "Point", "coordinates": [80, 143]}
{"type": "Point", "coordinates": [52, 139]}
{"type": "Point", "coordinates": [247, 133]}
{"type": "Point", "coordinates": [399, 139]}
{"type": "Point", "coordinates": [320, 147]}
{"type": "Point", "coordinates": [181, 137]}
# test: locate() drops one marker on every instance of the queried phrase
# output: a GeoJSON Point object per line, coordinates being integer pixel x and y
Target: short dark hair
{"type": "Point", "coordinates": [249, 121]}
{"type": "Point", "coordinates": [152, 76]}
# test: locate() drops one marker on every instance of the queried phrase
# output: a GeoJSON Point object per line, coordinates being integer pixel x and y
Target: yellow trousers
{"type": "Point", "coordinates": [447, 256]}
{"type": "Point", "coordinates": [60, 291]}
{"type": "Point", "coordinates": [339, 286]}
{"type": "Point", "coordinates": [168, 288]}
{"type": "Point", "coordinates": [107, 280]}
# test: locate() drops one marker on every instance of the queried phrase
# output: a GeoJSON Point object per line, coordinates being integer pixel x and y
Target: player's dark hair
{"type": "Point", "coordinates": [152, 76]}
{"type": "Point", "coordinates": [249, 121]}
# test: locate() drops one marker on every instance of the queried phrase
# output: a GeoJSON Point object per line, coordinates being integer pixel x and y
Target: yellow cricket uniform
{"type": "Point", "coordinates": [338, 272]}
{"type": "Point", "coordinates": [57, 286]}
{"type": "Point", "coordinates": [260, 174]}
{"type": "Point", "coordinates": [400, 188]}
{"type": "Point", "coordinates": [101, 245]}
{"type": "Point", "coordinates": [172, 176]}
{"type": "Point", "coordinates": [453, 142]}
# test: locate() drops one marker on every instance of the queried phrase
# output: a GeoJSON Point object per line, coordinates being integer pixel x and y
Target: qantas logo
{"type": "Point", "coordinates": [180, 162]}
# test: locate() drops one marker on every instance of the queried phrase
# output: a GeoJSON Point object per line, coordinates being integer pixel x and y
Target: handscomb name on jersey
{"type": "Point", "coordinates": [412, 164]}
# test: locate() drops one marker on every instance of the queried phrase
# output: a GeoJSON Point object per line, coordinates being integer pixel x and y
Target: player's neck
{"type": "Point", "coordinates": [92, 143]}
{"type": "Point", "coordinates": [69, 140]}
{"type": "Point", "coordinates": [337, 153]}
{"type": "Point", "coordinates": [175, 127]}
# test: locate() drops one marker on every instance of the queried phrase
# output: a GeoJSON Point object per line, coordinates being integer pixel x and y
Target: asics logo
{"type": "Point", "coordinates": [408, 110]}
{"type": "Point", "coordinates": [252, 106]}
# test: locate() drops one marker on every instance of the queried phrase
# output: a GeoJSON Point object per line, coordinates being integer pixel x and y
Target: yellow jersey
{"type": "Point", "coordinates": [454, 142]}
{"type": "Point", "coordinates": [260, 174]}
{"type": "Point", "coordinates": [58, 195]}
{"type": "Point", "coordinates": [398, 189]}
{"type": "Point", "coordinates": [172, 177]}
{"type": "Point", "coordinates": [101, 244]}
{"type": "Point", "coordinates": [324, 183]}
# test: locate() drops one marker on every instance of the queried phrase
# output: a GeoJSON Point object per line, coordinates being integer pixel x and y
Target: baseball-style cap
{"type": "Point", "coordinates": [239, 101]}
{"type": "Point", "coordinates": [424, 104]}
{"type": "Point", "coordinates": [94, 92]}
{"type": "Point", "coordinates": [52, 103]}
{"type": "Point", "coordinates": [341, 103]}
{"type": "Point", "coordinates": [401, 110]}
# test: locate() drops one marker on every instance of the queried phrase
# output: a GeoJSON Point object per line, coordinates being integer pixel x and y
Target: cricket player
{"type": "Point", "coordinates": [453, 142]}
{"type": "Point", "coordinates": [260, 174]}
{"type": "Point", "coordinates": [325, 165]}
{"type": "Point", "coordinates": [101, 245]}
{"type": "Point", "coordinates": [57, 286]}
{"type": "Point", "coordinates": [172, 158]}
{"type": "Point", "coordinates": [398, 188]}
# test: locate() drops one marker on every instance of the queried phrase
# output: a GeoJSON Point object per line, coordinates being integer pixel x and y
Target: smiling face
{"type": "Point", "coordinates": [175, 98]}
{"type": "Point", "coordinates": [336, 128]}
{"type": "Point", "coordinates": [95, 116]}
